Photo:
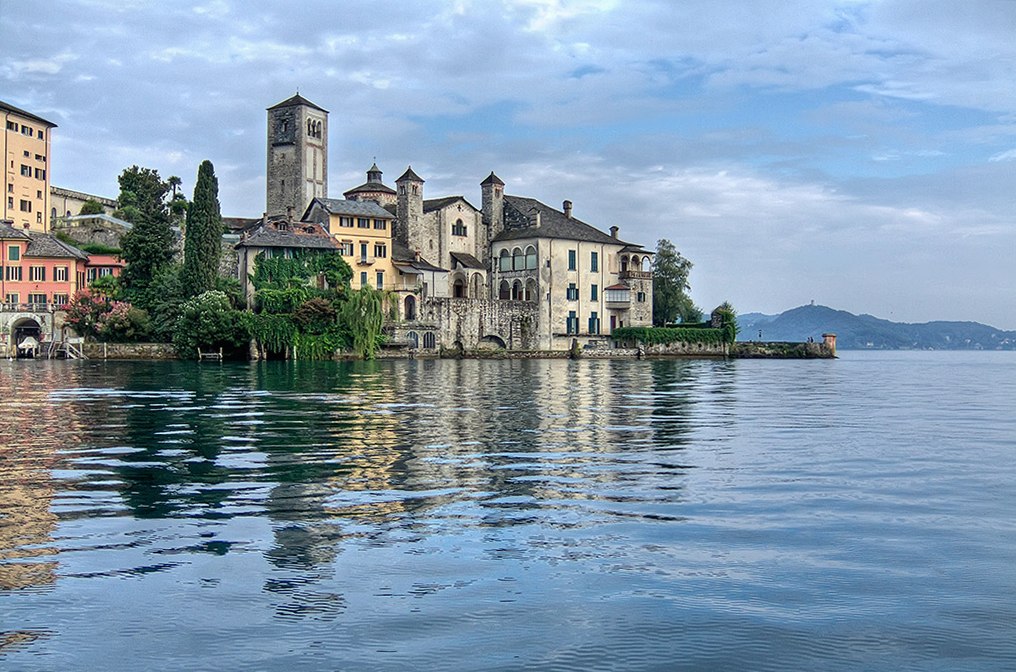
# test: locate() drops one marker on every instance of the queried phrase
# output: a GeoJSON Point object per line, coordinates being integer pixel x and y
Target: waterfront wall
{"type": "Point", "coordinates": [152, 351]}
{"type": "Point", "coordinates": [780, 350]}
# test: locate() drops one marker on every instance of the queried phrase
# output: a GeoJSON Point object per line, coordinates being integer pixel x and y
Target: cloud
{"type": "Point", "coordinates": [1008, 155]}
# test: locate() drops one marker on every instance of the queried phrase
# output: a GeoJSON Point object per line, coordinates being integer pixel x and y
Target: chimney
{"type": "Point", "coordinates": [539, 219]}
{"type": "Point", "coordinates": [613, 231]}
{"type": "Point", "coordinates": [567, 209]}
{"type": "Point", "coordinates": [264, 217]}
{"type": "Point", "coordinates": [289, 213]}
{"type": "Point", "coordinates": [417, 255]}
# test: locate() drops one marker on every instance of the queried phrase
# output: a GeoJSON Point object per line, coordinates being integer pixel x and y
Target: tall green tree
{"type": "Point", "coordinates": [670, 287]}
{"type": "Point", "coordinates": [147, 248]}
{"type": "Point", "coordinates": [203, 240]}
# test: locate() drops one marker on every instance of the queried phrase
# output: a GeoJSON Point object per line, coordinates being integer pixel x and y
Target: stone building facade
{"type": "Point", "coordinates": [297, 169]}
{"type": "Point", "coordinates": [514, 273]}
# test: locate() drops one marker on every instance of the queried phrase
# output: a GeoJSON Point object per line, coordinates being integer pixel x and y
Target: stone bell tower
{"type": "Point", "coordinates": [297, 170]}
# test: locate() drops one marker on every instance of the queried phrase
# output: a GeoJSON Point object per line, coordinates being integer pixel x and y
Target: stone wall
{"type": "Point", "coordinates": [92, 231]}
{"type": "Point", "coordinates": [130, 351]}
{"type": "Point", "coordinates": [470, 324]}
{"type": "Point", "coordinates": [782, 350]}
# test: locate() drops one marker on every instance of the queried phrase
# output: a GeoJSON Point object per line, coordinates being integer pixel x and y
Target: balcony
{"type": "Point", "coordinates": [29, 307]}
{"type": "Point", "coordinates": [364, 261]}
{"type": "Point", "coordinates": [635, 275]}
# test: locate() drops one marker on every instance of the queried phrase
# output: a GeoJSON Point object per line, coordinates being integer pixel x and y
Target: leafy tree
{"type": "Point", "coordinates": [208, 321]}
{"type": "Point", "coordinates": [203, 240]}
{"type": "Point", "coordinates": [91, 207]}
{"type": "Point", "coordinates": [363, 316]}
{"type": "Point", "coordinates": [174, 183]}
{"type": "Point", "coordinates": [148, 247]}
{"type": "Point", "coordinates": [670, 287]}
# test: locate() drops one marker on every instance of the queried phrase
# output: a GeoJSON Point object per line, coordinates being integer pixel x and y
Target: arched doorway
{"type": "Point", "coordinates": [27, 335]}
{"type": "Point", "coordinates": [410, 308]}
{"type": "Point", "coordinates": [459, 288]}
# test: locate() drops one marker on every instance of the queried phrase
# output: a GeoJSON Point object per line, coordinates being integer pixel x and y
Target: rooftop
{"type": "Point", "coordinates": [343, 206]}
{"type": "Point", "coordinates": [5, 107]}
{"type": "Point", "coordinates": [553, 224]}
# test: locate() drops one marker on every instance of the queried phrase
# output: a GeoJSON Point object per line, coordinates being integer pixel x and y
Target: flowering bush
{"type": "Point", "coordinates": [96, 316]}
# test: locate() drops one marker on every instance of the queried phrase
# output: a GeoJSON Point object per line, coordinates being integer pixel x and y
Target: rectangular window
{"type": "Point", "coordinates": [346, 222]}
{"type": "Point", "coordinates": [40, 135]}
{"type": "Point", "coordinates": [26, 130]}
{"type": "Point", "coordinates": [81, 279]}
{"type": "Point", "coordinates": [12, 126]}
{"type": "Point", "coordinates": [594, 293]}
{"type": "Point", "coordinates": [640, 297]}
{"type": "Point", "coordinates": [362, 223]}
{"type": "Point", "coordinates": [380, 250]}
{"type": "Point", "coordinates": [594, 262]}
{"type": "Point", "coordinates": [572, 327]}
{"type": "Point", "coordinates": [572, 256]}
{"type": "Point", "coordinates": [10, 187]}
{"type": "Point", "coordinates": [13, 297]}
{"type": "Point", "coordinates": [10, 202]}
{"type": "Point", "coordinates": [39, 299]}
{"type": "Point", "coordinates": [37, 274]}
{"type": "Point", "coordinates": [573, 292]}
{"type": "Point", "coordinates": [363, 253]}
{"type": "Point", "coordinates": [14, 273]}
{"type": "Point", "coordinates": [60, 274]}
{"type": "Point", "coordinates": [92, 275]}
{"type": "Point", "coordinates": [14, 253]}
{"type": "Point", "coordinates": [380, 277]}
{"type": "Point", "coordinates": [26, 171]}
{"type": "Point", "coordinates": [106, 270]}
{"type": "Point", "coordinates": [61, 299]}
{"type": "Point", "coordinates": [25, 206]}
{"type": "Point", "coordinates": [380, 224]}
{"type": "Point", "coordinates": [346, 248]}
{"type": "Point", "coordinates": [40, 157]}
{"type": "Point", "coordinates": [363, 278]}
{"type": "Point", "coordinates": [594, 323]}
{"type": "Point", "coordinates": [38, 218]}
{"type": "Point", "coordinates": [40, 173]}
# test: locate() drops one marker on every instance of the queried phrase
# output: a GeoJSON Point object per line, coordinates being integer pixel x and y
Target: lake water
{"type": "Point", "coordinates": [857, 514]}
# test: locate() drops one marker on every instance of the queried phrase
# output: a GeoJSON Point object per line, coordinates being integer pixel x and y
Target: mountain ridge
{"type": "Point", "coordinates": [867, 332]}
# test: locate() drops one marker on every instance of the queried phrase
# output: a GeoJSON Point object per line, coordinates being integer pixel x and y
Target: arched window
{"type": "Point", "coordinates": [530, 258]}
{"type": "Point", "coordinates": [504, 291]}
{"type": "Point", "coordinates": [458, 228]}
{"type": "Point", "coordinates": [459, 288]}
{"type": "Point", "coordinates": [410, 308]}
{"type": "Point", "coordinates": [517, 290]}
{"type": "Point", "coordinates": [429, 342]}
{"type": "Point", "coordinates": [414, 339]}
{"type": "Point", "coordinates": [646, 264]}
{"type": "Point", "coordinates": [52, 214]}
{"type": "Point", "coordinates": [518, 260]}
{"type": "Point", "coordinates": [636, 263]}
{"type": "Point", "coordinates": [504, 261]}
{"type": "Point", "coordinates": [624, 264]}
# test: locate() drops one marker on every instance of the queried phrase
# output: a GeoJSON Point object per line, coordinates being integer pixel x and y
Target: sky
{"type": "Point", "coordinates": [858, 154]}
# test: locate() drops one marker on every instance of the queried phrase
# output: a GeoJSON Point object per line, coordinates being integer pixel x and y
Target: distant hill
{"type": "Point", "coordinates": [864, 332]}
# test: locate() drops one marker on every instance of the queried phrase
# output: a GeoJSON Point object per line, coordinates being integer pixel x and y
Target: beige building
{"type": "Point", "coordinates": [26, 145]}
{"type": "Point", "coordinates": [363, 230]}
{"type": "Point", "coordinates": [583, 282]}
{"type": "Point", "coordinates": [64, 203]}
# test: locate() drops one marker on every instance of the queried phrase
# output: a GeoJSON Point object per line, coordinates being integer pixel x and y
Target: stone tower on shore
{"type": "Point", "coordinates": [297, 156]}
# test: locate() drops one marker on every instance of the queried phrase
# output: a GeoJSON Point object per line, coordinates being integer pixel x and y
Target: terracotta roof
{"type": "Point", "coordinates": [294, 101]}
{"type": "Point", "coordinates": [553, 224]}
{"type": "Point", "coordinates": [5, 107]}
{"type": "Point", "coordinates": [240, 224]}
{"type": "Point", "coordinates": [620, 285]}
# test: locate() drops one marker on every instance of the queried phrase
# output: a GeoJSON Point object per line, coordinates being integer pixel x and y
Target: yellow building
{"type": "Point", "coordinates": [26, 146]}
{"type": "Point", "coordinates": [363, 230]}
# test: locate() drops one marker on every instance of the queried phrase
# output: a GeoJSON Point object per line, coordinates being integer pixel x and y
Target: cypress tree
{"type": "Point", "coordinates": [203, 239]}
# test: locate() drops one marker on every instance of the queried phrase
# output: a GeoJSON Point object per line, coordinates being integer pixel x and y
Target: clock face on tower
{"type": "Point", "coordinates": [284, 127]}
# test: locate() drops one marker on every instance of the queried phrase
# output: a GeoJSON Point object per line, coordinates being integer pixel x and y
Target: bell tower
{"type": "Point", "coordinates": [297, 170]}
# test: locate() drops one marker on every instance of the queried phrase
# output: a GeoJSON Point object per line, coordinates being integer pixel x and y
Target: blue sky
{"type": "Point", "coordinates": [859, 154]}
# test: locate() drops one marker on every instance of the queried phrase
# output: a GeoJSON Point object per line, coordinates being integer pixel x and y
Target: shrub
{"type": "Point", "coordinates": [209, 322]}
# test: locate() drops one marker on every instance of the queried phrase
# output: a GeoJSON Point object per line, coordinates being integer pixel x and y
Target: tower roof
{"type": "Point", "coordinates": [409, 176]}
{"type": "Point", "coordinates": [295, 101]}
{"type": "Point", "coordinates": [492, 179]}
